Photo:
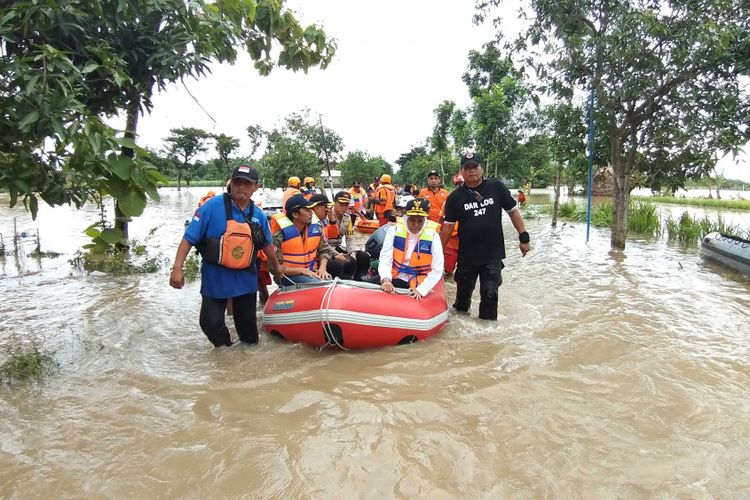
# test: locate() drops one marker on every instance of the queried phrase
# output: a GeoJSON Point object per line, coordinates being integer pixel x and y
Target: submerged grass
{"type": "Point", "coordinates": [643, 218]}
{"type": "Point", "coordinates": [686, 229]}
{"type": "Point", "coordinates": [26, 363]}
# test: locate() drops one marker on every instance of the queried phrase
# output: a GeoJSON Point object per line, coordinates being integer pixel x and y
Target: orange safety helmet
{"type": "Point", "coordinates": [385, 178]}
{"type": "Point", "coordinates": [309, 180]}
{"type": "Point", "coordinates": [293, 182]}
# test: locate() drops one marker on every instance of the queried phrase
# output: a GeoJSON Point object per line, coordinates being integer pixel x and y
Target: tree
{"type": "Point", "coordinates": [186, 143]}
{"type": "Point", "coordinates": [498, 94]}
{"type": "Point", "coordinates": [68, 62]}
{"type": "Point", "coordinates": [225, 146]}
{"type": "Point", "coordinates": [440, 141]}
{"type": "Point", "coordinates": [359, 166]}
{"type": "Point", "coordinates": [299, 149]}
{"type": "Point", "coordinates": [255, 133]}
{"type": "Point", "coordinates": [666, 78]}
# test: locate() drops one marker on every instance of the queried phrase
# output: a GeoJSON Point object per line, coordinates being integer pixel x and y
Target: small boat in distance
{"type": "Point", "coordinates": [353, 314]}
{"type": "Point", "coordinates": [731, 251]}
{"type": "Point", "coordinates": [366, 226]}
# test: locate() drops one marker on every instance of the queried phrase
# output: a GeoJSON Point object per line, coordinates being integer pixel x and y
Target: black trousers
{"type": "Point", "coordinates": [243, 310]}
{"type": "Point", "coordinates": [490, 279]}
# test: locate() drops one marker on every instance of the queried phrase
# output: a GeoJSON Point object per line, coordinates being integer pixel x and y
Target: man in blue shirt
{"type": "Point", "coordinates": [218, 282]}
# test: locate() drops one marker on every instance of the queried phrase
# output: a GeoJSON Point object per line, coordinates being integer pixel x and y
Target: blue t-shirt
{"type": "Point", "coordinates": [210, 221]}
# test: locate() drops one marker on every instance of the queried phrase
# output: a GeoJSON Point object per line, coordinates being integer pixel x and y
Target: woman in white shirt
{"type": "Point", "coordinates": [412, 256]}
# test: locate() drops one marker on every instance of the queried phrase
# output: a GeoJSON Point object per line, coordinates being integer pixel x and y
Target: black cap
{"type": "Point", "coordinates": [356, 183]}
{"type": "Point", "coordinates": [470, 159]}
{"type": "Point", "coordinates": [433, 172]}
{"type": "Point", "coordinates": [343, 197]}
{"type": "Point", "coordinates": [418, 206]}
{"type": "Point", "coordinates": [245, 172]}
{"type": "Point", "coordinates": [296, 202]}
{"type": "Point", "coordinates": [319, 199]}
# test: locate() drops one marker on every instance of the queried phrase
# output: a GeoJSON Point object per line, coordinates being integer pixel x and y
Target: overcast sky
{"type": "Point", "coordinates": [396, 61]}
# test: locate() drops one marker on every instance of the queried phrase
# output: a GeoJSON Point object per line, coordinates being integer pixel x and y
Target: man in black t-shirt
{"type": "Point", "coordinates": [478, 207]}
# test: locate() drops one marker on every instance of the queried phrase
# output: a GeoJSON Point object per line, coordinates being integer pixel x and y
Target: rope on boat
{"type": "Point", "coordinates": [325, 316]}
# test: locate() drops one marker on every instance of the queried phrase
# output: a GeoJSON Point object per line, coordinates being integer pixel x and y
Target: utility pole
{"type": "Point", "coordinates": [328, 163]}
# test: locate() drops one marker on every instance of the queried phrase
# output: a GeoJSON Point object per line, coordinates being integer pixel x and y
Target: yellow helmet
{"type": "Point", "coordinates": [308, 180]}
{"type": "Point", "coordinates": [293, 182]}
{"type": "Point", "coordinates": [385, 178]}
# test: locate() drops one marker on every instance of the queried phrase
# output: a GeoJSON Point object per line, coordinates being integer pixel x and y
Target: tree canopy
{"type": "Point", "coordinates": [666, 78]}
{"type": "Point", "coordinates": [66, 64]}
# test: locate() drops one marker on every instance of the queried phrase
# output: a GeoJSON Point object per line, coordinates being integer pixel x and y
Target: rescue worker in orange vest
{"type": "Point", "coordinates": [292, 189]}
{"type": "Point", "coordinates": [451, 248]}
{"type": "Point", "coordinates": [412, 256]}
{"type": "Point", "coordinates": [301, 247]}
{"type": "Point", "coordinates": [228, 230]}
{"type": "Point", "coordinates": [435, 194]}
{"type": "Point", "coordinates": [521, 197]}
{"type": "Point", "coordinates": [308, 190]}
{"type": "Point", "coordinates": [384, 199]}
{"type": "Point", "coordinates": [358, 207]}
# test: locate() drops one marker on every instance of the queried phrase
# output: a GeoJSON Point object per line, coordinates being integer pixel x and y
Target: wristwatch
{"type": "Point", "coordinates": [524, 237]}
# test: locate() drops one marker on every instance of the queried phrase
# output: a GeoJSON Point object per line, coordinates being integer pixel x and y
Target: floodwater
{"type": "Point", "coordinates": [608, 375]}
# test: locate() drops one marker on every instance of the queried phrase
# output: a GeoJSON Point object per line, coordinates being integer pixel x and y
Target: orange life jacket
{"type": "Point", "coordinates": [437, 200]}
{"type": "Point", "coordinates": [388, 193]}
{"type": "Point", "coordinates": [288, 194]}
{"type": "Point", "coordinates": [420, 262]}
{"type": "Point", "coordinates": [203, 200]}
{"type": "Point", "coordinates": [297, 251]}
{"type": "Point", "coordinates": [236, 247]}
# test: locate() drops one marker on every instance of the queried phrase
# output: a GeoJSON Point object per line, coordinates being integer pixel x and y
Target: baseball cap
{"type": "Point", "coordinates": [469, 160]}
{"type": "Point", "coordinates": [356, 183]}
{"type": "Point", "coordinates": [342, 197]}
{"type": "Point", "coordinates": [296, 202]}
{"type": "Point", "coordinates": [245, 172]}
{"type": "Point", "coordinates": [319, 199]}
{"type": "Point", "coordinates": [433, 172]}
{"type": "Point", "coordinates": [418, 206]}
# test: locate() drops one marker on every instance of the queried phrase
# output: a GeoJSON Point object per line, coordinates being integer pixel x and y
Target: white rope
{"type": "Point", "coordinates": [325, 316]}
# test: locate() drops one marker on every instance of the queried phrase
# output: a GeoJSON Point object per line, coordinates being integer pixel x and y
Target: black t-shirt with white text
{"type": "Point", "coordinates": [479, 212]}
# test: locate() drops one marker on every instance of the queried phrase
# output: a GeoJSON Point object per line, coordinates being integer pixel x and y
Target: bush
{"type": "Point", "coordinates": [26, 364]}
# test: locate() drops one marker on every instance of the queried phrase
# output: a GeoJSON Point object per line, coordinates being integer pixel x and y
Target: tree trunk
{"type": "Point", "coordinates": [179, 178]}
{"type": "Point", "coordinates": [131, 125]}
{"type": "Point", "coordinates": [556, 205]}
{"type": "Point", "coordinates": [620, 198]}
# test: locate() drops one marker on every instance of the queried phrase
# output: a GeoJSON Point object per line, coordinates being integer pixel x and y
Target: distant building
{"type": "Point", "coordinates": [335, 176]}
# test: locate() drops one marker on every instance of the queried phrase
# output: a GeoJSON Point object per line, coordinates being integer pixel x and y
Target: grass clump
{"type": "Point", "coordinates": [23, 364]}
{"type": "Point", "coordinates": [116, 263]}
{"type": "Point", "coordinates": [192, 269]}
{"type": "Point", "coordinates": [686, 229]}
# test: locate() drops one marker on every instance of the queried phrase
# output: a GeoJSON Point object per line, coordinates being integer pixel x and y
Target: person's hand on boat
{"type": "Point", "coordinates": [323, 274]}
{"type": "Point", "coordinates": [414, 294]}
{"type": "Point", "coordinates": [387, 286]}
{"type": "Point", "coordinates": [177, 278]}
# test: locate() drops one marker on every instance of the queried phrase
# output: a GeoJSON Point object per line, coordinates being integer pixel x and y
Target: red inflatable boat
{"type": "Point", "coordinates": [353, 315]}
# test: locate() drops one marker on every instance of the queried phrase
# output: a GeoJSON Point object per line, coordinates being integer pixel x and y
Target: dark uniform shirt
{"type": "Point", "coordinates": [479, 213]}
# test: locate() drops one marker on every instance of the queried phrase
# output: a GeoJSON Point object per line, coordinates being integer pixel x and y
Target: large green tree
{"type": "Point", "coordinates": [300, 147]}
{"type": "Point", "coordinates": [666, 76]}
{"type": "Point", "coordinates": [67, 63]}
{"type": "Point", "coordinates": [359, 166]}
{"type": "Point", "coordinates": [498, 96]}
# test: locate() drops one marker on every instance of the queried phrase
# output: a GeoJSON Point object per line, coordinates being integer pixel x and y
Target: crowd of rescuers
{"type": "Point", "coordinates": [427, 233]}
